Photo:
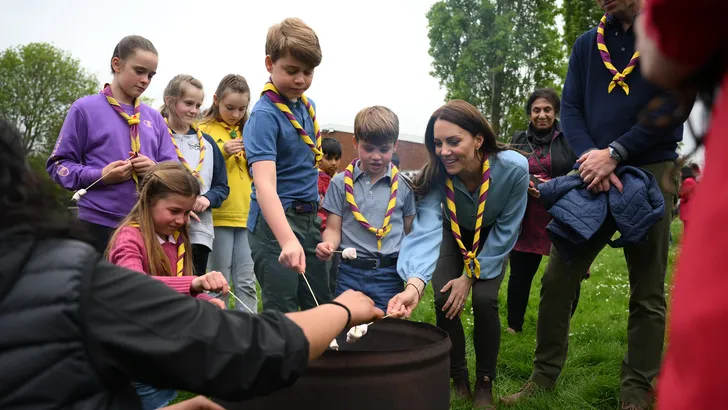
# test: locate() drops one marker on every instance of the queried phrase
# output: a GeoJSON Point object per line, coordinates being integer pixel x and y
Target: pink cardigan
{"type": "Point", "coordinates": [128, 251]}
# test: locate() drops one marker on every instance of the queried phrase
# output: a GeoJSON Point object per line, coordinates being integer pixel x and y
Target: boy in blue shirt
{"type": "Point", "coordinates": [283, 147]}
{"type": "Point", "coordinates": [371, 209]}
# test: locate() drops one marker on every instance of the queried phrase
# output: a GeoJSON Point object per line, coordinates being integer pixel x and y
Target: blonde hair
{"type": "Point", "coordinates": [230, 83]}
{"type": "Point", "coordinates": [176, 90]}
{"type": "Point", "coordinates": [292, 37]}
{"type": "Point", "coordinates": [164, 179]}
{"type": "Point", "coordinates": [376, 125]}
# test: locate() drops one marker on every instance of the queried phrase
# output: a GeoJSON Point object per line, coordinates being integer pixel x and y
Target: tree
{"type": "Point", "coordinates": [493, 53]}
{"type": "Point", "coordinates": [579, 16]}
{"type": "Point", "coordinates": [38, 84]}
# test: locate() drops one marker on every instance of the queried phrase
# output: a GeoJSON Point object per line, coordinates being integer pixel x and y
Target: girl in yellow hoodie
{"type": "Point", "coordinates": [224, 122]}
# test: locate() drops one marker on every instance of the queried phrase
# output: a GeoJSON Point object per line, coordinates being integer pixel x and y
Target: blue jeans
{"type": "Point", "coordinates": [379, 284]}
{"type": "Point", "coordinates": [153, 398]}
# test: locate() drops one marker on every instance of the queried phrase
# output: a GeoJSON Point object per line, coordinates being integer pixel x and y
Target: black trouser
{"type": "Point", "coordinates": [524, 266]}
{"type": "Point", "coordinates": [101, 235]}
{"type": "Point", "coordinates": [486, 329]}
{"type": "Point", "coordinates": [200, 254]}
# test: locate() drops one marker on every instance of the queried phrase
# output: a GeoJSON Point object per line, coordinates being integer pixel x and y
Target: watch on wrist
{"type": "Point", "coordinates": [614, 154]}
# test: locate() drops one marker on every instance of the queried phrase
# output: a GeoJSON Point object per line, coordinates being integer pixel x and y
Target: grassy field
{"type": "Point", "coordinates": [598, 339]}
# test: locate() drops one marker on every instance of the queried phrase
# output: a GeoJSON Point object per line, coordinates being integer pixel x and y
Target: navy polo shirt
{"type": "Point", "coordinates": [269, 136]}
{"type": "Point", "coordinates": [592, 117]}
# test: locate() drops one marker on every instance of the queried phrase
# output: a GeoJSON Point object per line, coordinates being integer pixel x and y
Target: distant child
{"type": "Point", "coordinates": [198, 153]}
{"type": "Point", "coordinates": [283, 146]}
{"type": "Point", "coordinates": [114, 135]}
{"type": "Point", "coordinates": [154, 240]}
{"type": "Point", "coordinates": [370, 209]}
{"type": "Point", "coordinates": [327, 169]}
{"type": "Point", "coordinates": [230, 250]}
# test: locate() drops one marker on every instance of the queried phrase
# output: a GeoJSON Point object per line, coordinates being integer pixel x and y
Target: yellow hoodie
{"type": "Point", "coordinates": [234, 211]}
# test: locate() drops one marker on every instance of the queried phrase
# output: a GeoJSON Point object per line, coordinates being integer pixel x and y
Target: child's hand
{"type": "Point", "coordinates": [142, 164]}
{"type": "Point", "coordinates": [324, 250]}
{"type": "Point", "coordinates": [201, 204]}
{"type": "Point", "coordinates": [212, 281]}
{"type": "Point", "coordinates": [193, 216]}
{"type": "Point", "coordinates": [116, 172]}
{"type": "Point", "coordinates": [293, 257]}
{"type": "Point", "coordinates": [217, 302]}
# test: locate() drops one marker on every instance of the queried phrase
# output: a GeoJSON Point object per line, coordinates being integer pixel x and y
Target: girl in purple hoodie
{"type": "Point", "coordinates": [110, 140]}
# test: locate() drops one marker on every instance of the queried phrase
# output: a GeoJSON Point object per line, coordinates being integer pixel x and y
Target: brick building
{"type": "Point", "coordinates": [411, 150]}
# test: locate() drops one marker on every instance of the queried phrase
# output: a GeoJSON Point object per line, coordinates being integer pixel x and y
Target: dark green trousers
{"type": "Point", "coordinates": [647, 264]}
{"type": "Point", "coordinates": [283, 289]}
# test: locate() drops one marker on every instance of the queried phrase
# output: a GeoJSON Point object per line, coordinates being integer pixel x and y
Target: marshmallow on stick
{"type": "Point", "coordinates": [348, 253]}
{"type": "Point", "coordinates": [78, 194]}
{"type": "Point", "coordinates": [356, 332]}
{"type": "Point", "coordinates": [334, 345]}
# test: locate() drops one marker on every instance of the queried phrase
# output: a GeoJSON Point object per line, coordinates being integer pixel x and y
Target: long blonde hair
{"type": "Point", "coordinates": [163, 179]}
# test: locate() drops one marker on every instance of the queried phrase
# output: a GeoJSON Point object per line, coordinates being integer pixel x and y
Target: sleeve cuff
{"type": "Point", "coordinates": [261, 157]}
{"type": "Point", "coordinates": [620, 149]}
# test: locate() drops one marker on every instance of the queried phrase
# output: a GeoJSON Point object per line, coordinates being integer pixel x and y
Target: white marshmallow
{"type": "Point", "coordinates": [355, 333]}
{"type": "Point", "coordinates": [348, 253]}
{"type": "Point", "coordinates": [334, 345]}
{"type": "Point", "coordinates": [78, 194]}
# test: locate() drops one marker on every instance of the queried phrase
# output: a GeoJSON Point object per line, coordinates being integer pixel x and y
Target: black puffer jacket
{"type": "Point", "coordinates": [562, 155]}
{"type": "Point", "coordinates": [75, 330]}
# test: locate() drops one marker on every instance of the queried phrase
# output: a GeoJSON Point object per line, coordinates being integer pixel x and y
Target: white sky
{"type": "Point", "coordinates": [374, 52]}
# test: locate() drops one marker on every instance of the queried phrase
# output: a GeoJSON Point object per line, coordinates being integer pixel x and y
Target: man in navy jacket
{"type": "Point", "coordinates": [603, 96]}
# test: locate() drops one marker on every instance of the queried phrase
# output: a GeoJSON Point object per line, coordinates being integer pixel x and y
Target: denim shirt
{"type": "Point", "coordinates": [504, 209]}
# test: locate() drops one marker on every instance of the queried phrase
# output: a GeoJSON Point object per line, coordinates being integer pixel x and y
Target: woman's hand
{"type": "Point", "coordinates": [533, 191]}
{"type": "Point", "coordinates": [404, 303]}
{"type": "Point", "coordinates": [459, 289]}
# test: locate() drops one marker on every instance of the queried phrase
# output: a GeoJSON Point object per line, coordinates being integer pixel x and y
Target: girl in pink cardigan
{"type": "Point", "coordinates": [153, 239]}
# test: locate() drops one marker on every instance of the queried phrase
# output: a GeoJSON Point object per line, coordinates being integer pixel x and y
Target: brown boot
{"type": "Point", "coordinates": [483, 394]}
{"type": "Point", "coordinates": [529, 389]}
{"type": "Point", "coordinates": [461, 385]}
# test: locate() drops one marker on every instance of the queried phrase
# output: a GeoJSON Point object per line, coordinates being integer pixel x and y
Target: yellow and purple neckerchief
{"type": "Point", "coordinates": [619, 78]}
{"type": "Point", "coordinates": [386, 225]}
{"type": "Point", "coordinates": [272, 93]}
{"type": "Point", "coordinates": [196, 171]}
{"type": "Point", "coordinates": [133, 122]}
{"type": "Point", "coordinates": [472, 265]}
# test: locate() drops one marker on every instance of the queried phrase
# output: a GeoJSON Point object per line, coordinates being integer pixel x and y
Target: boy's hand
{"type": "Point", "coordinates": [324, 251]}
{"type": "Point", "coordinates": [293, 257]}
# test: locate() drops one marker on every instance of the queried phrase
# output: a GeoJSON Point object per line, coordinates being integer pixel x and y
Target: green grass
{"type": "Point", "coordinates": [597, 343]}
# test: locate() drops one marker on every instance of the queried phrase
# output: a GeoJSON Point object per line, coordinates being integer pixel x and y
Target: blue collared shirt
{"type": "Point", "coordinates": [504, 209]}
{"type": "Point", "coordinates": [269, 136]}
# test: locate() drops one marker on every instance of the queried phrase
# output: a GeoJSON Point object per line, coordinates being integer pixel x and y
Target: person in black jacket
{"type": "Point", "coordinates": [549, 156]}
{"type": "Point", "coordinates": [75, 329]}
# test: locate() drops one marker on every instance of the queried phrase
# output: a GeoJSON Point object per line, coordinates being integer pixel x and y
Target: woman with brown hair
{"type": "Point", "coordinates": [472, 195]}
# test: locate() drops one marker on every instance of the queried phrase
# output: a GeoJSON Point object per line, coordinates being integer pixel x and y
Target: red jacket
{"type": "Point", "coordinates": [694, 370]}
{"type": "Point", "coordinates": [323, 186]}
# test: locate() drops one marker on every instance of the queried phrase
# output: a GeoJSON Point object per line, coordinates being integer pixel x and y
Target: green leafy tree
{"type": "Point", "coordinates": [579, 16]}
{"type": "Point", "coordinates": [494, 53]}
{"type": "Point", "coordinates": [38, 84]}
